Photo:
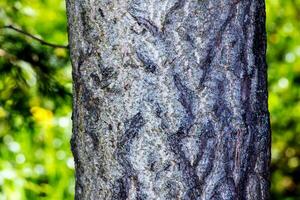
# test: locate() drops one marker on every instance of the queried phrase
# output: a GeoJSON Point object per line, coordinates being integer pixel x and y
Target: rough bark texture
{"type": "Point", "coordinates": [170, 99]}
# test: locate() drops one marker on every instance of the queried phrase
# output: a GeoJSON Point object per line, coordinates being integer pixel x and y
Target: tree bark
{"type": "Point", "coordinates": [170, 99]}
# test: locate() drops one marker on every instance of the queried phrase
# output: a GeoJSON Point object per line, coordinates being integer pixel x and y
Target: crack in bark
{"type": "Point", "coordinates": [175, 142]}
{"type": "Point", "coordinates": [186, 100]}
{"type": "Point", "coordinates": [123, 150]}
{"type": "Point", "coordinates": [178, 5]}
{"type": "Point", "coordinates": [150, 26]}
{"type": "Point", "coordinates": [149, 65]}
{"type": "Point", "coordinates": [215, 43]}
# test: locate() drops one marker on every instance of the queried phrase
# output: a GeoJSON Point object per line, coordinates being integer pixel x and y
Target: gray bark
{"type": "Point", "coordinates": [170, 99]}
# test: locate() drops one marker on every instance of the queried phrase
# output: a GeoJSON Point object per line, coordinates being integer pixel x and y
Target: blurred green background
{"type": "Point", "coordinates": [35, 101]}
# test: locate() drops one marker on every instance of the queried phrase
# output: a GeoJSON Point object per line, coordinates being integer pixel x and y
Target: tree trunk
{"type": "Point", "coordinates": [170, 99]}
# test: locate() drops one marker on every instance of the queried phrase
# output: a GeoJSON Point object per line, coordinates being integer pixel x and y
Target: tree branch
{"type": "Point", "coordinates": [35, 38]}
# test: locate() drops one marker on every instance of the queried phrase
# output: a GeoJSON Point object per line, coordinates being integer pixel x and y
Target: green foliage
{"type": "Point", "coordinates": [35, 101]}
{"type": "Point", "coordinates": [284, 96]}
